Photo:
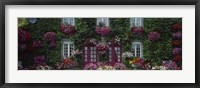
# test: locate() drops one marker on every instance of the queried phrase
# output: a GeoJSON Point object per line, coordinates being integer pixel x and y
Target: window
{"type": "Point", "coordinates": [115, 52]}
{"type": "Point", "coordinates": [118, 53]}
{"type": "Point", "coordinates": [67, 48]}
{"type": "Point", "coordinates": [137, 49]}
{"type": "Point", "coordinates": [68, 21]}
{"type": "Point", "coordinates": [136, 22]}
{"type": "Point", "coordinates": [103, 20]}
{"type": "Point", "coordinates": [90, 54]}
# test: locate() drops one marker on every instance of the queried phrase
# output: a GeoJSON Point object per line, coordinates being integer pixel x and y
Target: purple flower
{"type": "Point", "coordinates": [39, 60]}
{"type": "Point", "coordinates": [170, 65]}
{"type": "Point", "coordinates": [177, 35]}
{"type": "Point", "coordinates": [90, 66]}
{"type": "Point", "coordinates": [103, 30]}
{"type": "Point", "coordinates": [153, 36]}
{"type": "Point", "coordinates": [137, 30]}
{"type": "Point", "coordinates": [176, 51]}
{"type": "Point", "coordinates": [50, 36]}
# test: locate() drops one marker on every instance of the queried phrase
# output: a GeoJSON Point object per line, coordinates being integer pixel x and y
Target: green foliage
{"type": "Point", "coordinates": [85, 27]}
{"type": "Point", "coordinates": [160, 50]}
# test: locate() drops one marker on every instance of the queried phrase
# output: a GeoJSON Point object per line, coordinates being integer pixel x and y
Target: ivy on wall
{"type": "Point", "coordinates": [154, 52]}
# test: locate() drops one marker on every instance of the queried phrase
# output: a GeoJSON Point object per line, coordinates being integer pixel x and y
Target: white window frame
{"type": "Point", "coordinates": [102, 20]}
{"type": "Point", "coordinates": [135, 48]}
{"type": "Point", "coordinates": [68, 48]}
{"type": "Point", "coordinates": [138, 22]}
{"type": "Point", "coordinates": [68, 20]}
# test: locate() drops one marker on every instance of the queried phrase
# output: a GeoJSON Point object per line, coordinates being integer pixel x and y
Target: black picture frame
{"type": "Point", "coordinates": [99, 2]}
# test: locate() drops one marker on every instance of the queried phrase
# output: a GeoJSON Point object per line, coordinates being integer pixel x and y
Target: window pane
{"type": "Point", "coordinates": [118, 60]}
{"type": "Point", "coordinates": [86, 48]}
{"type": "Point", "coordinates": [85, 60]}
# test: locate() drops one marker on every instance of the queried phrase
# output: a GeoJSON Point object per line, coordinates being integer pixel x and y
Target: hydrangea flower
{"type": "Point", "coordinates": [23, 36]}
{"type": "Point", "coordinates": [49, 36]}
{"type": "Point", "coordinates": [177, 35]}
{"type": "Point", "coordinates": [39, 60]}
{"type": "Point", "coordinates": [103, 30]}
{"type": "Point", "coordinates": [176, 51]}
{"type": "Point", "coordinates": [153, 36]}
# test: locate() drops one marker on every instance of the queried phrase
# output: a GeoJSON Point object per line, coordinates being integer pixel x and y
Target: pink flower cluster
{"type": "Point", "coordinates": [137, 30]}
{"type": "Point", "coordinates": [90, 66]}
{"type": "Point", "coordinates": [153, 36]}
{"type": "Point", "coordinates": [103, 30]}
{"type": "Point", "coordinates": [102, 47]}
{"type": "Point", "coordinates": [68, 29]}
{"type": "Point", "coordinates": [49, 36]}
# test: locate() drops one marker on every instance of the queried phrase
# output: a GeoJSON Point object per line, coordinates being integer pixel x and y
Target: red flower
{"type": "Point", "coordinates": [176, 27]}
{"type": "Point", "coordinates": [178, 58]}
{"type": "Point", "coordinates": [176, 43]}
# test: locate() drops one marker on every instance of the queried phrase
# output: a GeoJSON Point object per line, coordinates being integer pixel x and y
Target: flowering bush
{"type": "Point", "coordinates": [137, 63]}
{"type": "Point", "coordinates": [105, 68]}
{"type": "Point", "coordinates": [177, 35]}
{"type": "Point", "coordinates": [127, 55]}
{"type": "Point", "coordinates": [59, 65]}
{"type": "Point", "coordinates": [176, 51]}
{"type": "Point", "coordinates": [170, 65]}
{"type": "Point", "coordinates": [137, 30]}
{"type": "Point", "coordinates": [23, 36]}
{"type": "Point", "coordinates": [153, 36]}
{"type": "Point", "coordinates": [50, 36]}
{"type": "Point", "coordinates": [103, 30]}
{"type": "Point", "coordinates": [102, 47]}
{"type": "Point", "coordinates": [176, 27]}
{"type": "Point", "coordinates": [120, 66]}
{"type": "Point", "coordinates": [69, 63]}
{"type": "Point", "coordinates": [90, 66]}
{"type": "Point", "coordinates": [39, 60]}
{"type": "Point", "coordinates": [68, 29]}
